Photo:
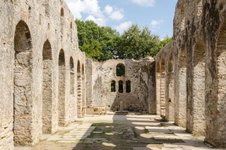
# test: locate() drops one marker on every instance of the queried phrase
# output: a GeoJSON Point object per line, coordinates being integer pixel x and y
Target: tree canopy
{"type": "Point", "coordinates": [103, 43]}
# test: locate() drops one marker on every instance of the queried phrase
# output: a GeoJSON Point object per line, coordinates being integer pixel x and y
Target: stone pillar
{"type": "Point", "coordinates": [158, 93]}
{"type": "Point", "coordinates": [162, 95]}
{"type": "Point", "coordinates": [61, 95]}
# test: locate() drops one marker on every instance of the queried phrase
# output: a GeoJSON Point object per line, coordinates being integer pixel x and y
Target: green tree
{"type": "Point", "coordinates": [97, 42]}
{"type": "Point", "coordinates": [137, 43]}
{"type": "Point", "coordinates": [103, 43]}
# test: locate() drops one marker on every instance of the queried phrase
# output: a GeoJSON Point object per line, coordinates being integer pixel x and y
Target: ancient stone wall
{"type": "Point", "coordinates": [132, 91]}
{"type": "Point", "coordinates": [198, 48]}
{"type": "Point", "coordinates": [30, 70]}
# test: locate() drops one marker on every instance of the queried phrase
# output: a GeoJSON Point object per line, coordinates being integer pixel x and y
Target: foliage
{"type": "Point", "coordinates": [103, 43]}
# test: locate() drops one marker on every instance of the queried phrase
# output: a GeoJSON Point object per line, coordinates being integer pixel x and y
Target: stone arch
{"type": "Point", "coordinates": [79, 90]}
{"type": "Point", "coordinates": [22, 124]}
{"type": "Point", "coordinates": [61, 88]}
{"type": "Point", "coordinates": [47, 88]}
{"type": "Point", "coordinates": [120, 69]}
{"type": "Point", "coordinates": [72, 76]}
{"type": "Point", "coordinates": [197, 113]}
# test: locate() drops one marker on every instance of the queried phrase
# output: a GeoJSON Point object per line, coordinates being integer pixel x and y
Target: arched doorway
{"type": "Point", "coordinates": [47, 88]}
{"type": "Point", "coordinates": [61, 88]}
{"type": "Point", "coordinates": [22, 85]}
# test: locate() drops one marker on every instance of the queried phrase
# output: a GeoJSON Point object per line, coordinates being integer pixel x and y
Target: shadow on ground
{"type": "Point", "coordinates": [120, 132]}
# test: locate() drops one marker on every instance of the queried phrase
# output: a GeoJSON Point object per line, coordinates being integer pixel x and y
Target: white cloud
{"type": "Point", "coordinates": [113, 13]}
{"type": "Point", "coordinates": [146, 3]}
{"type": "Point", "coordinates": [155, 25]}
{"type": "Point", "coordinates": [92, 10]}
{"type": "Point", "coordinates": [108, 9]}
{"type": "Point", "coordinates": [100, 21]}
{"type": "Point", "coordinates": [117, 15]}
{"type": "Point", "coordinates": [87, 7]}
{"type": "Point", "coordinates": [123, 26]}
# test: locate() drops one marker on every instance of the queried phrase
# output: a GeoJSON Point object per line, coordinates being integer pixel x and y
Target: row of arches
{"type": "Point", "coordinates": [194, 80]}
{"type": "Point", "coordinates": [181, 88]}
{"type": "Point", "coordinates": [23, 101]}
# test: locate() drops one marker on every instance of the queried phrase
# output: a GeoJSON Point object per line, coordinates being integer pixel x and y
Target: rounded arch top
{"type": "Point", "coordinates": [62, 12]}
{"type": "Point", "coordinates": [47, 51]}
{"type": "Point", "coordinates": [61, 58]}
{"type": "Point", "coordinates": [199, 52]}
{"type": "Point", "coordinates": [120, 69]}
{"type": "Point", "coordinates": [22, 38]}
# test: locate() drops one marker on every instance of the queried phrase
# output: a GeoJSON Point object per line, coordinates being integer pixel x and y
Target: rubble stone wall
{"type": "Point", "coordinates": [198, 48]}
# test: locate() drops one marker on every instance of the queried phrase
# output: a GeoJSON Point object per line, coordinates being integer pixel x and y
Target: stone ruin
{"type": "Point", "coordinates": [46, 82]}
{"type": "Point", "coordinates": [191, 71]}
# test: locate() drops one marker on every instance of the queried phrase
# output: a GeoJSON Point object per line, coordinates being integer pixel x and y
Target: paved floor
{"type": "Point", "coordinates": [120, 132]}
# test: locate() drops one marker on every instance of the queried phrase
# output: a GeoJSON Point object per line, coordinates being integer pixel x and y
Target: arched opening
{"type": "Point", "coordinates": [120, 70]}
{"type": "Point", "coordinates": [128, 86]}
{"type": "Point", "coordinates": [198, 91]}
{"type": "Point", "coordinates": [113, 86]}
{"type": "Point", "coordinates": [47, 88]}
{"type": "Point", "coordinates": [170, 94]}
{"type": "Point", "coordinates": [79, 90]}
{"type": "Point", "coordinates": [61, 88]}
{"type": "Point", "coordinates": [120, 86]}
{"type": "Point", "coordinates": [162, 90]}
{"type": "Point", "coordinates": [22, 85]}
{"type": "Point", "coordinates": [72, 77]}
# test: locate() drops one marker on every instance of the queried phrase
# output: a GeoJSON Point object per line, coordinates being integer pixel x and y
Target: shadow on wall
{"type": "Point", "coordinates": [130, 88]}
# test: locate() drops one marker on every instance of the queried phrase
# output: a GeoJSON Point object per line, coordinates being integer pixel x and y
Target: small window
{"type": "Point", "coordinates": [113, 89]}
{"type": "Point", "coordinates": [120, 70]}
{"type": "Point", "coordinates": [62, 12]}
{"type": "Point", "coordinates": [128, 86]}
{"type": "Point", "coordinates": [120, 86]}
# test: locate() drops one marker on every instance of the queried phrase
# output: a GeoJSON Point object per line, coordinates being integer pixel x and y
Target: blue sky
{"type": "Point", "coordinates": [157, 15]}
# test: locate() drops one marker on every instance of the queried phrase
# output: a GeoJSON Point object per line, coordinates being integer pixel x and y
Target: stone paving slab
{"type": "Point", "coordinates": [157, 135]}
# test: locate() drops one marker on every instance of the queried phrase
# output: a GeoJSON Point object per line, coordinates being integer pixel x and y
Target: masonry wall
{"type": "Point", "coordinates": [139, 73]}
{"type": "Point", "coordinates": [198, 48]}
{"type": "Point", "coordinates": [37, 22]}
